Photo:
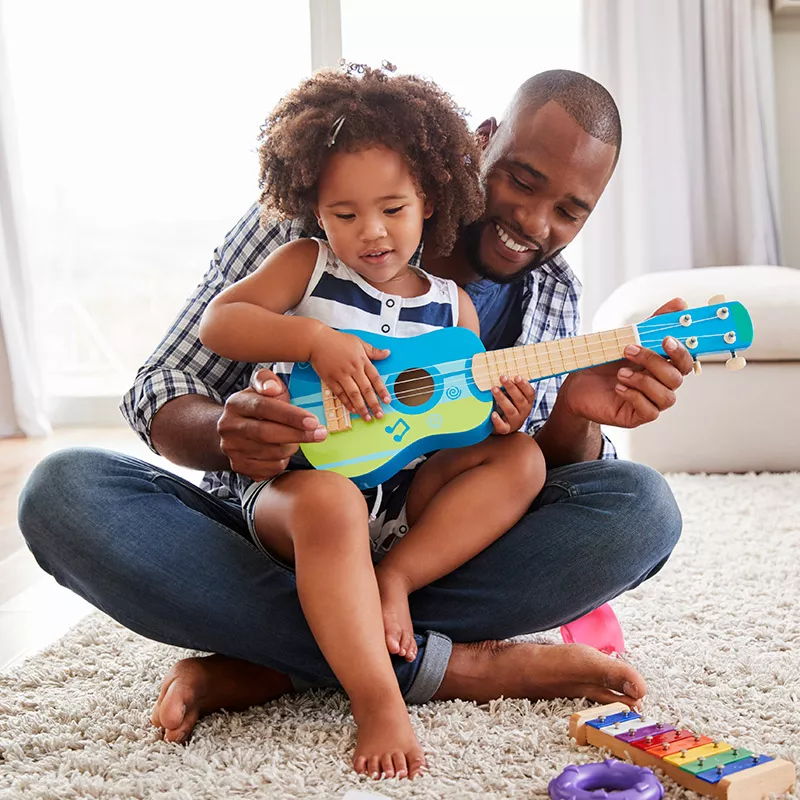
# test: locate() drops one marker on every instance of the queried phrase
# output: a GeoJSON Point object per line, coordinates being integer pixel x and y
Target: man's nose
{"type": "Point", "coordinates": [533, 219]}
{"type": "Point", "coordinates": [372, 228]}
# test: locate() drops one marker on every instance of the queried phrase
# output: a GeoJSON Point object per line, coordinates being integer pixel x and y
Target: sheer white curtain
{"type": "Point", "coordinates": [21, 407]}
{"type": "Point", "coordinates": [696, 184]}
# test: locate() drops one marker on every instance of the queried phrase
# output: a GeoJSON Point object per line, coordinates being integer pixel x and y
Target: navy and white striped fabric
{"type": "Point", "coordinates": [180, 364]}
{"type": "Point", "coordinates": [341, 298]}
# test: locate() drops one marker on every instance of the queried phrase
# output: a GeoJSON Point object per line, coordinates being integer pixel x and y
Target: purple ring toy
{"type": "Point", "coordinates": [616, 780]}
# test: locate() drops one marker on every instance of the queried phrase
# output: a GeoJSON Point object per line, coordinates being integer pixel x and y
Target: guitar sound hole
{"type": "Point", "coordinates": [413, 387]}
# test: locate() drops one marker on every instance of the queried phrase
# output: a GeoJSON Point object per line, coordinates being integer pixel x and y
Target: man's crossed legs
{"type": "Point", "coordinates": [174, 564]}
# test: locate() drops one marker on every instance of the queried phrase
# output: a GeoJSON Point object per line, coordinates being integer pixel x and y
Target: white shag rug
{"type": "Point", "coordinates": [716, 635]}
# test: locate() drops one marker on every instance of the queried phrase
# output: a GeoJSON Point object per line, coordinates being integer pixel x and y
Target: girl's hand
{"type": "Point", "coordinates": [513, 406]}
{"type": "Point", "coordinates": [344, 363]}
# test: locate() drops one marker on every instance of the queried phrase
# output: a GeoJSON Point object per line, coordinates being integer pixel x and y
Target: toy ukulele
{"type": "Point", "coordinates": [700, 763]}
{"type": "Point", "coordinates": [440, 383]}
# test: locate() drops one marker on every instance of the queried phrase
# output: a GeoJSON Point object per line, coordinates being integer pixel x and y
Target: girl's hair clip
{"type": "Point", "coordinates": [335, 128]}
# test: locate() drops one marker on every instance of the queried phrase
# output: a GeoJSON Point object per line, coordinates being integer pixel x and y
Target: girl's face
{"type": "Point", "coordinates": [371, 212]}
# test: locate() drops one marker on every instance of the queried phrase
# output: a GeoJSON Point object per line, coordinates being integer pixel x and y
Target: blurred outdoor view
{"type": "Point", "coordinates": [136, 130]}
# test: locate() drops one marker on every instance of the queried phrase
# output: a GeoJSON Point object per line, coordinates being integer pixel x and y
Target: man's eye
{"type": "Point", "coordinates": [564, 213]}
{"type": "Point", "coordinates": [345, 216]}
{"type": "Point", "coordinates": [518, 183]}
{"type": "Point", "coordinates": [394, 210]}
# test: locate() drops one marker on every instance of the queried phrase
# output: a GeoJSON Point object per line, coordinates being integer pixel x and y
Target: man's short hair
{"type": "Point", "coordinates": [585, 100]}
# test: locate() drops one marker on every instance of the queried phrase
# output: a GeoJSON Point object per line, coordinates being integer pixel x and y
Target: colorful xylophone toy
{"type": "Point", "coordinates": [706, 766]}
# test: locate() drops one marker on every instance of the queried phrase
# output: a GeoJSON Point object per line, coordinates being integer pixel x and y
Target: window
{"type": "Point", "coordinates": [137, 128]}
{"type": "Point", "coordinates": [137, 131]}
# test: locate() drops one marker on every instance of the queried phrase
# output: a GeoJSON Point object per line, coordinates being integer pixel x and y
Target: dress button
{"type": "Point", "coordinates": [390, 302]}
{"type": "Point", "coordinates": [385, 328]}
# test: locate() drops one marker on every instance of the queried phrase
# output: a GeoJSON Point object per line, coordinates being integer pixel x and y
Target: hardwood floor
{"type": "Point", "coordinates": [34, 609]}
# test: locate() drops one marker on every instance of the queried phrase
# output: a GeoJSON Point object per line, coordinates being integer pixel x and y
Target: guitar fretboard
{"type": "Point", "coordinates": [535, 361]}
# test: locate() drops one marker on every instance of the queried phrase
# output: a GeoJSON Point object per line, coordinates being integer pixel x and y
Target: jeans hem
{"type": "Point", "coordinates": [431, 671]}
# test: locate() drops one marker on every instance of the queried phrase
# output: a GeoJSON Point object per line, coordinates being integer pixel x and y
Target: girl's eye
{"type": "Point", "coordinates": [393, 210]}
{"type": "Point", "coordinates": [345, 216]}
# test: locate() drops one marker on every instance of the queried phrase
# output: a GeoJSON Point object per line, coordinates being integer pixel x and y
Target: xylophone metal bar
{"type": "Point", "coordinates": [755, 783]}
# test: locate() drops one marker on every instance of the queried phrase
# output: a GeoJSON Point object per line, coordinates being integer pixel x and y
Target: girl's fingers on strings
{"type": "Point", "coordinates": [370, 397]}
{"type": "Point", "coordinates": [378, 384]}
{"type": "Point", "coordinates": [357, 401]}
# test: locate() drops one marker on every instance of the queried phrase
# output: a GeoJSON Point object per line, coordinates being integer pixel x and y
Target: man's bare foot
{"type": "Point", "coordinates": [397, 625]}
{"type": "Point", "coordinates": [487, 670]}
{"type": "Point", "coordinates": [195, 687]}
{"type": "Point", "coordinates": [386, 742]}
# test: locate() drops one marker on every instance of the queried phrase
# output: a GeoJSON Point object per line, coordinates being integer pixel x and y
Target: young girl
{"type": "Point", "coordinates": [379, 162]}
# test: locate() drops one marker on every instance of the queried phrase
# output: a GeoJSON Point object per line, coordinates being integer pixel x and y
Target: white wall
{"type": "Point", "coordinates": [786, 46]}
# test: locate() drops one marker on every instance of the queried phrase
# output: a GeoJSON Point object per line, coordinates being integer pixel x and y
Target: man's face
{"type": "Point", "coordinates": [543, 175]}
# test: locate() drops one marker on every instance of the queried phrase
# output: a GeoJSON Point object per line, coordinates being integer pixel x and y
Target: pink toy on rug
{"type": "Point", "coordinates": [599, 629]}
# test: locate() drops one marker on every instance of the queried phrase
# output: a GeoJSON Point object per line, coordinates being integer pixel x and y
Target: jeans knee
{"type": "Point", "coordinates": [656, 508]}
{"type": "Point", "coordinates": [53, 488]}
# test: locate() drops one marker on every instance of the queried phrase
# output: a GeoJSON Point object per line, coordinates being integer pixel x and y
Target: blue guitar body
{"type": "Point", "coordinates": [435, 404]}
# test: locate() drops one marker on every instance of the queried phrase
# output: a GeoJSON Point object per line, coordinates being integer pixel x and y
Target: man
{"type": "Point", "coordinates": [173, 562]}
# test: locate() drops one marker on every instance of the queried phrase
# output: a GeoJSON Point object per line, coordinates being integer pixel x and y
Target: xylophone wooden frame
{"type": "Point", "coordinates": [751, 784]}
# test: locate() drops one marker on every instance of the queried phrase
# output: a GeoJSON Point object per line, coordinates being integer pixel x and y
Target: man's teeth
{"type": "Point", "coordinates": [509, 242]}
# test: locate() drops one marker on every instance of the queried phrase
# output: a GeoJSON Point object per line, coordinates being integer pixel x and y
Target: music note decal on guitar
{"type": "Point", "coordinates": [398, 437]}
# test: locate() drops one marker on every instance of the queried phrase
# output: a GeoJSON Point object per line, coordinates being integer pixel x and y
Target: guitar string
{"type": "Point", "coordinates": [438, 379]}
{"type": "Point", "coordinates": [442, 375]}
{"type": "Point", "coordinates": [562, 342]}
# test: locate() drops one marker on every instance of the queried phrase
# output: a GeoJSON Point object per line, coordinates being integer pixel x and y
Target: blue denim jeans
{"type": "Point", "coordinates": [174, 564]}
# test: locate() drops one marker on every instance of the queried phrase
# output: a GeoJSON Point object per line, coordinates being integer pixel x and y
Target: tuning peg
{"type": "Point", "coordinates": [697, 367]}
{"type": "Point", "coordinates": [717, 298]}
{"type": "Point", "coordinates": [736, 362]}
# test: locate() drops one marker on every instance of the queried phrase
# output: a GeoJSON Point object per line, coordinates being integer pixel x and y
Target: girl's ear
{"type": "Point", "coordinates": [319, 218]}
{"type": "Point", "coordinates": [427, 209]}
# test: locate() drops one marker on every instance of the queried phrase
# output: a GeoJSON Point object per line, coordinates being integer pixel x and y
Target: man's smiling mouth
{"type": "Point", "coordinates": [511, 243]}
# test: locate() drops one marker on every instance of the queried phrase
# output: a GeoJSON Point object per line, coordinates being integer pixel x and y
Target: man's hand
{"type": "Point", "coordinates": [260, 430]}
{"type": "Point", "coordinates": [513, 406]}
{"type": "Point", "coordinates": [633, 391]}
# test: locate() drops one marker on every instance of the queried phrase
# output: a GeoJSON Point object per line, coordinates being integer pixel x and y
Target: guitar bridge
{"type": "Point", "coordinates": [337, 417]}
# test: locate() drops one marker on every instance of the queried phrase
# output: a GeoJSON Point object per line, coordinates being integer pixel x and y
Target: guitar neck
{"type": "Point", "coordinates": [545, 359]}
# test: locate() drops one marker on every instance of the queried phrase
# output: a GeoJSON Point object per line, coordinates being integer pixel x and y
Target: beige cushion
{"type": "Point", "coordinates": [770, 294]}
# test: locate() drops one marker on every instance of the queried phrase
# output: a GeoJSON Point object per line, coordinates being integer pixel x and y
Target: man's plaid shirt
{"type": "Point", "coordinates": [181, 365]}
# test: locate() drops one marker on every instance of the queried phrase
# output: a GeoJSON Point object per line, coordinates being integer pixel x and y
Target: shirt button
{"type": "Point", "coordinates": [390, 302]}
{"type": "Point", "coordinates": [385, 328]}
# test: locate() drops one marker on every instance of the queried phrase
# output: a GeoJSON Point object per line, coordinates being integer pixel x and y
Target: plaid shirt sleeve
{"type": "Point", "coordinates": [180, 364]}
{"type": "Point", "coordinates": [551, 312]}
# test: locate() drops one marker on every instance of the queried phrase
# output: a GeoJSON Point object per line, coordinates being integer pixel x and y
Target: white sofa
{"type": "Point", "coordinates": [723, 421]}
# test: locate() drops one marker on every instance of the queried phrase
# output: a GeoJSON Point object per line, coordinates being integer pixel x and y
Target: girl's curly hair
{"type": "Point", "coordinates": [405, 113]}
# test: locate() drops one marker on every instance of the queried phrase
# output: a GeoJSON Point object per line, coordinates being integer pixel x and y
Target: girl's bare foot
{"type": "Point", "coordinates": [195, 687]}
{"type": "Point", "coordinates": [387, 745]}
{"type": "Point", "coordinates": [397, 624]}
{"type": "Point", "coordinates": [486, 670]}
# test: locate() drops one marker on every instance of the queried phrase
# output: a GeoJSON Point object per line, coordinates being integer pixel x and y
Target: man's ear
{"type": "Point", "coordinates": [427, 209]}
{"type": "Point", "coordinates": [485, 131]}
